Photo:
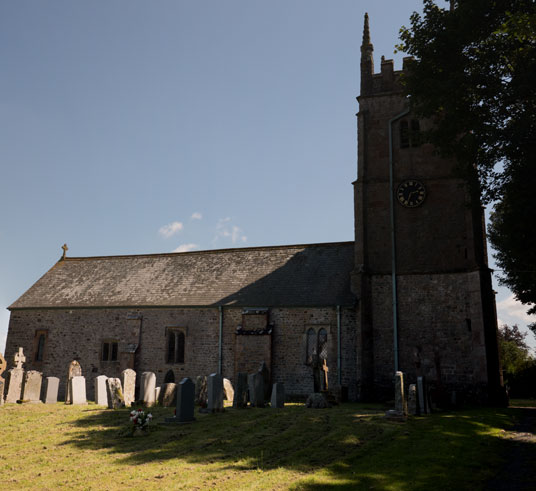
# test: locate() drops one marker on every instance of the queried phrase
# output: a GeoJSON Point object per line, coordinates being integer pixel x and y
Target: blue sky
{"type": "Point", "coordinates": [133, 127]}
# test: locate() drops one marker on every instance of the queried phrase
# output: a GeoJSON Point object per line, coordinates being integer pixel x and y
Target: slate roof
{"type": "Point", "coordinates": [297, 275]}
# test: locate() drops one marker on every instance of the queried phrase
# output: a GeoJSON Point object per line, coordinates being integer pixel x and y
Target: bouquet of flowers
{"type": "Point", "coordinates": [140, 420]}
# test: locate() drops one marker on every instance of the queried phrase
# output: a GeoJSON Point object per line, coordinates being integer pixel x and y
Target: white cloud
{"type": "Point", "coordinates": [186, 247]}
{"type": "Point", "coordinates": [514, 311]}
{"type": "Point", "coordinates": [170, 229]}
{"type": "Point", "coordinates": [224, 229]}
{"type": "Point", "coordinates": [196, 216]}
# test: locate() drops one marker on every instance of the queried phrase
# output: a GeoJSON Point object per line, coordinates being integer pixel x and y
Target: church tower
{"type": "Point", "coordinates": [425, 300]}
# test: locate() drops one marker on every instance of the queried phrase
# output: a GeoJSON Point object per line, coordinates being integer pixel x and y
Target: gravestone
{"type": "Point", "coordinates": [3, 365]}
{"type": "Point", "coordinates": [265, 373]}
{"type": "Point", "coordinates": [101, 391]}
{"type": "Point", "coordinates": [148, 388]}
{"type": "Point", "coordinates": [215, 392]}
{"type": "Point", "coordinates": [201, 398]}
{"type": "Point", "coordinates": [424, 407]}
{"type": "Point", "coordinates": [52, 385]}
{"type": "Point", "coordinates": [129, 386]}
{"type": "Point", "coordinates": [157, 391]}
{"type": "Point", "coordinates": [185, 404]}
{"type": "Point", "coordinates": [168, 395]}
{"type": "Point", "coordinates": [240, 399]}
{"type": "Point", "coordinates": [316, 400]}
{"type": "Point", "coordinates": [115, 393]}
{"type": "Point", "coordinates": [14, 385]}
{"type": "Point", "coordinates": [400, 399]}
{"type": "Point", "coordinates": [31, 391]}
{"type": "Point", "coordinates": [228, 392]}
{"type": "Point", "coordinates": [278, 396]}
{"type": "Point", "coordinates": [256, 389]}
{"type": "Point", "coordinates": [78, 390]}
{"type": "Point", "coordinates": [75, 370]}
{"type": "Point", "coordinates": [412, 399]}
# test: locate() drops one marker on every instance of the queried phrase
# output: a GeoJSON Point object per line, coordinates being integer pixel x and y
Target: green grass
{"type": "Point", "coordinates": [351, 446]}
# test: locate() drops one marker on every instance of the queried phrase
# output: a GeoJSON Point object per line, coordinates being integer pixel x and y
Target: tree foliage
{"type": "Point", "coordinates": [474, 75]}
{"type": "Point", "coordinates": [514, 352]}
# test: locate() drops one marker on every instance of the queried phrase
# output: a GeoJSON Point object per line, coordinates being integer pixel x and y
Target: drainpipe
{"type": "Point", "coordinates": [393, 238]}
{"type": "Point", "coordinates": [339, 345]}
{"type": "Point", "coordinates": [220, 342]}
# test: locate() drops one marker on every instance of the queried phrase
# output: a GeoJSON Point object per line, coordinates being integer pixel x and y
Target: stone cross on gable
{"type": "Point", "coordinates": [65, 249]}
{"type": "Point", "coordinates": [19, 358]}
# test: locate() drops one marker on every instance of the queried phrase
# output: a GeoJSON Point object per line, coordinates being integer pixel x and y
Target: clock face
{"type": "Point", "coordinates": [411, 193]}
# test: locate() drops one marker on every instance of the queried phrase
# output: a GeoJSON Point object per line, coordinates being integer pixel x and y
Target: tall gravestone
{"type": "Point", "coordinates": [16, 374]}
{"type": "Point", "coordinates": [400, 399]}
{"type": "Point", "coordinates": [31, 391]}
{"type": "Point", "coordinates": [278, 396]}
{"type": "Point", "coordinates": [78, 390]}
{"type": "Point", "coordinates": [129, 386]}
{"type": "Point", "coordinates": [3, 365]}
{"type": "Point", "coordinates": [52, 385]}
{"type": "Point", "coordinates": [201, 391]}
{"type": "Point", "coordinates": [215, 392]}
{"type": "Point", "coordinates": [101, 392]}
{"type": "Point", "coordinates": [148, 388]}
{"type": "Point", "coordinates": [114, 390]}
{"type": "Point", "coordinates": [240, 399]}
{"type": "Point", "coordinates": [185, 403]}
{"type": "Point", "coordinates": [265, 373]}
{"type": "Point", "coordinates": [168, 394]}
{"type": "Point", "coordinates": [422, 396]}
{"type": "Point", "coordinates": [256, 389]}
{"type": "Point", "coordinates": [228, 391]}
{"type": "Point", "coordinates": [75, 370]}
{"type": "Point", "coordinates": [412, 399]}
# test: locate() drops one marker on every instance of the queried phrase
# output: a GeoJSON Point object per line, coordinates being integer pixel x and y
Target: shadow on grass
{"type": "Point", "coordinates": [351, 446]}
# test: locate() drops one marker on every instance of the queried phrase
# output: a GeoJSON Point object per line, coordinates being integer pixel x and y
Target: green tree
{"type": "Point", "coordinates": [513, 351]}
{"type": "Point", "coordinates": [474, 75]}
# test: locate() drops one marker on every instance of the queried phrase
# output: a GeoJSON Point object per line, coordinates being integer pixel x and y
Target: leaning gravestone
{"type": "Point", "coordinates": [129, 385]}
{"type": "Point", "coordinates": [240, 399]}
{"type": "Point", "coordinates": [75, 370]}
{"type": "Point", "coordinates": [3, 365]}
{"type": "Point", "coordinates": [278, 396]}
{"type": "Point", "coordinates": [31, 391]}
{"type": "Point", "coordinates": [16, 375]}
{"type": "Point", "coordinates": [256, 389]}
{"type": "Point", "coordinates": [412, 399]}
{"type": "Point", "coordinates": [201, 391]}
{"type": "Point", "coordinates": [78, 390]}
{"type": "Point", "coordinates": [101, 391]}
{"type": "Point", "coordinates": [215, 392]}
{"type": "Point", "coordinates": [228, 391]}
{"type": "Point", "coordinates": [52, 385]}
{"type": "Point", "coordinates": [263, 370]}
{"type": "Point", "coordinates": [148, 388]}
{"type": "Point", "coordinates": [168, 395]}
{"type": "Point", "coordinates": [185, 404]}
{"type": "Point", "coordinates": [115, 393]}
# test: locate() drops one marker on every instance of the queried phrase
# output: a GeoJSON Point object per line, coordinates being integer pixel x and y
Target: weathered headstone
{"type": "Point", "coordinates": [3, 365]}
{"type": "Point", "coordinates": [168, 395]}
{"type": "Point", "coordinates": [265, 373]}
{"type": "Point", "coordinates": [14, 385]}
{"type": "Point", "coordinates": [400, 399]}
{"type": "Point", "coordinates": [201, 391]}
{"type": "Point", "coordinates": [184, 412]}
{"type": "Point", "coordinates": [75, 370]}
{"type": "Point", "coordinates": [147, 388]}
{"type": "Point", "coordinates": [101, 391]}
{"type": "Point", "coordinates": [412, 399]}
{"type": "Point", "coordinates": [78, 390]}
{"type": "Point", "coordinates": [114, 390]}
{"type": "Point", "coordinates": [278, 396]}
{"type": "Point", "coordinates": [316, 400]}
{"type": "Point", "coordinates": [422, 396]}
{"type": "Point", "coordinates": [31, 391]}
{"type": "Point", "coordinates": [215, 392]}
{"type": "Point", "coordinates": [157, 391]}
{"type": "Point", "coordinates": [228, 391]}
{"type": "Point", "coordinates": [240, 399]}
{"type": "Point", "coordinates": [129, 386]}
{"type": "Point", "coordinates": [256, 389]}
{"type": "Point", "coordinates": [52, 385]}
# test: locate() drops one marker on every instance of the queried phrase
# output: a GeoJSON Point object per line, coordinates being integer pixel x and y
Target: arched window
{"type": "Point", "coordinates": [311, 346]}
{"type": "Point", "coordinates": [39, 349]}
{"type": "Point", "coordinates": [410, 133]}
{"type": "Point", "coordinates": [175, 346]}
{"type": "Point", "coordinates": [323, 344]}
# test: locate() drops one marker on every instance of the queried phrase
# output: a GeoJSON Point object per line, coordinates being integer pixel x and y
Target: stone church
{"type": "Point", "coordinates": [413, 292]}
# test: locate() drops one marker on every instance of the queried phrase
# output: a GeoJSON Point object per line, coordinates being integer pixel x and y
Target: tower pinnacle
{"type": "Point", "coordinates": [367, 60]}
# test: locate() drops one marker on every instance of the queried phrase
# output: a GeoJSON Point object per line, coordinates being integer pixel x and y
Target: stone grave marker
{"type": "Point", "coordinates": [240, 399]}
{"type": "Point", "coordinates": [15, 378]}
{"type": "Point", "coordinates": [78, 390]}
{"type": "Point", "coordinates": [168, 395]}
{"type": "Point", "coordinates": [129, 386]}
{"type": "Point", "coordinates": [400, 399]}
{"type": "Point", "coordinates": [157, 391]}
{"type": "Point", "coordinates": [215, 392]}
{"type": "Point", "coordinates": [256, 389]}
{"type": "Point", "coordinates": [184, 411]}
{"type": "Point", "coordinates": [75, 370]}
{"type": "Point", "coordinates": [31, 391]}
{"type": "Point", "coordinates": [114, 390]}
{"type": "Point", "coordinates": [278, 396]}
{"type": "Point", "coordinates": [263, 370]}
{"type": "Point", "coordinates": [424, 408]}
{"type": "Point", "coordinates": [52, 385]}
{"type": "Point", "coordinates": [228, 391]}
{"type": "Point", "coordinates": [101, 391]}
{"type": "Point", "coordinates": [412, 399]}
{"type": "Point", "coordinates": [201, 398]}
{"type": "Point", "coordinates": [148, 388]}
{"type": "Point", "coordinates": [3, 365]}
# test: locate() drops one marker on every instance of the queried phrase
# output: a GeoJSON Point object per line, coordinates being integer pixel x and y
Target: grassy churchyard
{"type": "Point", "coordinates": [351, 446]}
